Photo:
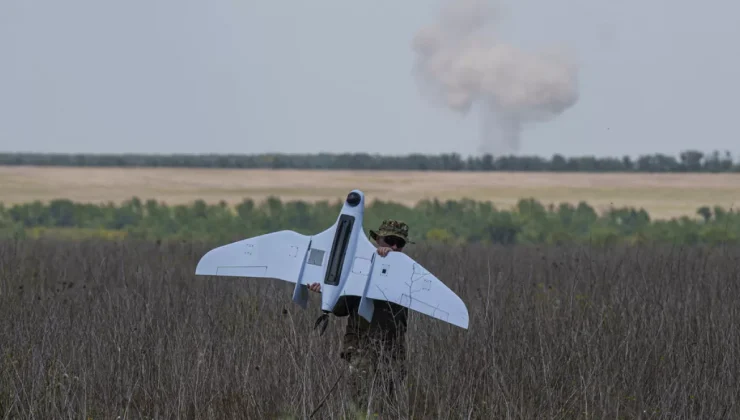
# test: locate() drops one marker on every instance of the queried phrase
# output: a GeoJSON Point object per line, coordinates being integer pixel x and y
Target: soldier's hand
{"type": "Point", "coordinates": [315, 287]}
{"type": "Point", "coordinates": [384, 250]}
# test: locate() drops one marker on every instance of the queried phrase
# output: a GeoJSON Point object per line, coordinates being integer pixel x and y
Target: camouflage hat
{"type": "Point", "coordinates": [391, 227]}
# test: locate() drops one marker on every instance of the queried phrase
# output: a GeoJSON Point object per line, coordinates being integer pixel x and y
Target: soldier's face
{"type": "Point", "coordinates": [393, 242]}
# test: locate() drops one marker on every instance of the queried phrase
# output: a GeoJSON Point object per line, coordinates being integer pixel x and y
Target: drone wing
{"type": "Point", "coordinates": [399, 279]}
{"type": "Point", "coordinates": [274, 255]}
{"type": "Point", "coordinates": [279, 255]}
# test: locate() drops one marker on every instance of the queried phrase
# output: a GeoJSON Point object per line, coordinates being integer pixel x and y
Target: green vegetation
{"type": "Point", "coordinates": [687, 161]}
{"type": "Point", "coordinates": [453, 222]}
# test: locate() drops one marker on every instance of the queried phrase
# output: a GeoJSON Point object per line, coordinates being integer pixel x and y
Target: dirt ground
{"type": "Point", "coordinates": [662, 195]}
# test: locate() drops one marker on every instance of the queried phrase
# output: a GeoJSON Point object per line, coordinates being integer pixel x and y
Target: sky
{"type": "Point", "coordinates": [248, 76]}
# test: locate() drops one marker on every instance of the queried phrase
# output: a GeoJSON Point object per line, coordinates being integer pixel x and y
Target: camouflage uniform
{"type": "Point", "coordinates": [376, 347]}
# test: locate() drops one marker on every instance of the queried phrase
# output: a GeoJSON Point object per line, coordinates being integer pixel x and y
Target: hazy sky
{"type": "Point", "coordinates": [247, 76]}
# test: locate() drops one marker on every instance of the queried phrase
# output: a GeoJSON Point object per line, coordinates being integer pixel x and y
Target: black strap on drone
{"type": "Point", "coordinates": [323, 320]}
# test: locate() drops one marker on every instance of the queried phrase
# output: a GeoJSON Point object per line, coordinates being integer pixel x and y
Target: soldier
{"type": "Point", "coordinates": [368, 346]}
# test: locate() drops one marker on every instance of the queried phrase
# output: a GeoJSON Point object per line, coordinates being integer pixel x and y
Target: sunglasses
{"type": "Point", "coordinates": [394, 240]}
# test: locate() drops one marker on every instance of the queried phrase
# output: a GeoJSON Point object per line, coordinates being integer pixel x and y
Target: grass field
{"type": "Point", "coordinates": [126, 330]}
{"type": "Point", "coordinates": [662, 195]}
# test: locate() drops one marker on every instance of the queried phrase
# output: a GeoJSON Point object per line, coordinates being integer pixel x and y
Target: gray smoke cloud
{"type": "Point", "coordinates": [461, 63]}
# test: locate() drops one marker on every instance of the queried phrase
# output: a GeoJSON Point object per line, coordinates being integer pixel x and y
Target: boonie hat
{"type": "Point", "coordinates": [390, 227]}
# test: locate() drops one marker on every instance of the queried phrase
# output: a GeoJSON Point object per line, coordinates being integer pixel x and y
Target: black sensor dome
{"type": "Point", "coordinates": [353, 199]}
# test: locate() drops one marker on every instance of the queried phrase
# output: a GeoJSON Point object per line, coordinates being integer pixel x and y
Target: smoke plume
{"type": "Point", "coordinates": [462, 64]}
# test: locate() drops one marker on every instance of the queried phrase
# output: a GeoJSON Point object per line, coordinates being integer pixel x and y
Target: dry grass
{"type": "Point", "coordinates": [101, 330]}
{"type": "Point", "coordinates": [662, 195]}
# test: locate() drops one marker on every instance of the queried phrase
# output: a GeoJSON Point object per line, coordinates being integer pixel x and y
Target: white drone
{"type": "Point", "coordinates": [345, 262]}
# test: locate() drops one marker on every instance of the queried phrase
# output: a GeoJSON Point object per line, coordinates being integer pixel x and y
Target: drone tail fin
{"type": "Point", "coordinates": [300, 291]}
{"type": "Point", "coordinates": [367, 306]}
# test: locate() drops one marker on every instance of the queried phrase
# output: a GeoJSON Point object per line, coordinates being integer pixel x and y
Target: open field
{"type": "Point", "coordinates": [662, 195]}
{"type": "Point", "coordinates": [102, 330]}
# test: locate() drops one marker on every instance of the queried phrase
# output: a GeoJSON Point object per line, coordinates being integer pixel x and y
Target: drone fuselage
{"type": "Point", "coordinates": [342, 253]}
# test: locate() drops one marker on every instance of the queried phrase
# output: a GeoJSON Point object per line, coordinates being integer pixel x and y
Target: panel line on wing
{"type": "Point", "coordinates": [416, 305]}
{"type": "Point", "coordinates": [242, 271]}
{"type": "Point", "coordinates": [362, 266]}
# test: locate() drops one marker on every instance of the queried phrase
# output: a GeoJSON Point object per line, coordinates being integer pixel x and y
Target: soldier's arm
{"type": "Point", "coordinates": [346, 305]}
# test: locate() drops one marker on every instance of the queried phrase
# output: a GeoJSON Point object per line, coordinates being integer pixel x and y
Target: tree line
{"type": "Point", "coordinates": [686, 161]}
{"type": "Point", "coordinates": [434, 221]}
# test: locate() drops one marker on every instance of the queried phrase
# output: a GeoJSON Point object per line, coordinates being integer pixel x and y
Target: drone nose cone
{"type": "Point", "coordinates": [353, 199]}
